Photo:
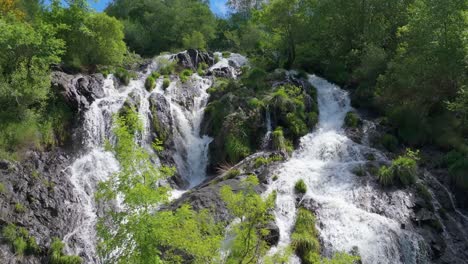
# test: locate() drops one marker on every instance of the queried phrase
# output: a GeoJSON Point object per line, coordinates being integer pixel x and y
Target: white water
{"type": "Point", "coordinates": [345, 205]}
{"type": "Point", "coordinates": [187, 103]}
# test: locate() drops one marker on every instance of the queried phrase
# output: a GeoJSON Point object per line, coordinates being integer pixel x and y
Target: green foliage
{"type": "Point", "coordinates": [457, 164]}
{"type": "Point", "coordinates": [19, 239]}
{"type": "Point", "coordinates": [166, 83]}
{"type": "Point", "coordinates": [403, 169]}
{"type": "Point", "coordinates": [352, 120]}
{"type": "Point", "coordinates": [2, 188]}
{"type": "Point", "coordinates": [154, 235]}
{"type": "Point", "coordinates": [304, 238]}
{"type": "Point", "coordinates": [150, 82]}
{"type": "Point", "coordinates": [195, 40]}
{"type": "Point", "coordinates": [226, 54]}
{"type": "Point", "coordinates": [56, 255]}
{"type": "Point", "coordinates": [232, 173]}
{"type": "Point", "coordinates": [261, 161]}
{"type": "Point", "coordinates": [254, 212]}
{"type": "Point", "coordinates": [154, 26]}
{"type": "Point", "coordinates": [300, 187]}
{"type": "Point", "coordinates": [185, 75]}
{"type": "Point", "coordinates": [236, 148]}
{"type": "Point", "coordinates": [19, 208]}
{"type": "Point", "coordinates": [92, 38]}
{"type": "Point", "coordinates": [124, 75]}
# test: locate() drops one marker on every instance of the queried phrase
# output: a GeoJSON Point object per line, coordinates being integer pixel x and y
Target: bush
{"type": "Point", "coordinates": [390, 142]}
{"type": "Point", "coordinates": [19, 208]}
{"type": "Point", "coordinates": [166, 83]}
{"type": "Point", "coordinates": [124, 76]}
{"type": "Point", "coordinates": [201, 68]}
{"type": "Point", "coordinates": [304, 238]}
{"type": "Point", "coordinates": [20, 240]}
{"type": "Point", "coordinates": [352, 120]}
{"type": "Point", "coordinates": [150, 83]}
{"type": "Point", "coordinates": [226, 54]}
{"type": "Point", "coordinates": [185, 75]}
{"type": "Point", "coordinates": [232, 173]}
{"type": "Point", "coordinates": [166, 67]}
{"type": "Point", "coordinates": [404, 169]}
{"type": "Point", "coordinates": [300, 187]}
{"type": "Point", "coordinates": [56, 254]}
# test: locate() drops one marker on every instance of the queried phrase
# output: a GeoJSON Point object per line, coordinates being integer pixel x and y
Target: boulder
{"type": "Point", "coordinates": [79, 91]}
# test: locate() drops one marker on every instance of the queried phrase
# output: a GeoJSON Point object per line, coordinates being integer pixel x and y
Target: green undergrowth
{"type": "Point", "coordinates": [402, 171]}
{"type": "Point", "coordinates": [237, 110]}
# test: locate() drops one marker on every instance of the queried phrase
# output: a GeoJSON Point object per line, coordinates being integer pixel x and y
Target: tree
{"type": "Point", "coordinates": [92, 38]}
{"type": "Point", "coordinates": [194, 41]}
{"type": "Point", "coordinates": [139, 232]}
{"type": "Point", "coordinates": [155, 26]}
{"type": "Point", "coordinates": [254, 214]}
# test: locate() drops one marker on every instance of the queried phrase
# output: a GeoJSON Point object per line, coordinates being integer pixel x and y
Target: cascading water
{"type": "Point", "coordinates": [350, 211]}
{"type": "Point", "coordinates": [187, 105]}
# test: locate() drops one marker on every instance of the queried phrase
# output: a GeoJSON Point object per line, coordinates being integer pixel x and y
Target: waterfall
{"type": "Point", "coordinates": [351, 212]}
{"type": "Point", "coordinates": [187, 104]}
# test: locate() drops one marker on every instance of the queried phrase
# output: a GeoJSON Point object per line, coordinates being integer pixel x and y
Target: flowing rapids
{"type": "Point", "coordinates": [187, 105]}
{"type": "Point", "coordinates": [351, 212]}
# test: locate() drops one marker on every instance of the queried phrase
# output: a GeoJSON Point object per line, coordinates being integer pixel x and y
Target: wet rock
{"type": "Point", "coordinates": [37, 197]}
{"type": "Point", "coordinates": [192, 58]}
{"type": "Point", "coordinates": [79, 91]}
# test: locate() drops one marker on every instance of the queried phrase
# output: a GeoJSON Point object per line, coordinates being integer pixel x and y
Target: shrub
{"type": "Point", "coordinates": [305, 237]}
{"type": "Point", "coordinates": [20, 240]}
{"type": "Point", "coordinates": [166, 67]}
{"type": "Point", "coordinates": [404, 169]}
{"type": "Point", "coordinates": [166, 83]}
{"type": "Point", "coordinates": [352, 120]}
{"type": "Point", "coordinates": [185, 75]}
{"type": "Point", "coordinates": [279, 142]}
{"type": "Point", "coordinates": [226, 54]}
{"type": "Point", "coordinates": [300, 187]}
{"type": "Point", "coordinates": [296, 125]}
{"type": "Point", "coordinates": [201, 68]}
{"type": "Point", "coordinates": [19, 208]}
{"type": "Point", "coordinates": [255, 103]}
{"type": "Point", "coordinates": [124, 76]}
{"type": "Point", "coordinates": [232, 173]}
{"type": "Point", "coordinates": [390, 142]}
{"type": "Point", "coordinates": [236, 148]}
{"type": "Point", "coordinates": [56, 254]}
{"type": "Point", "coordinates": [150, 83]}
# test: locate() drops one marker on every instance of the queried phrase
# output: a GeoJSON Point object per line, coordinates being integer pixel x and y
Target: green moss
{"type": "Point", "coordinates": [166, 83]}
{"type": "Point", "coordinates": [403, 170]}
{"type": "Point", "coordinates": [226, 54]}
{"type": "Point", "coordinates": [19, 239]}
{"type": "Point", "coordinates": [56, 255]}
{"type": "Point", "coordinates": [19, 208]}
{"type": "Point", "coordinates": [232, 173]}
{"type": "Point", "coordinates": [185, 75]}
{"type": "Point", "coordinates": [300, 187]}
{"type": "Point", "coordinates": [352, 120]}
{"type": "Point", "coordinates": [304, 238]}
{"type": "Point", "coordinates": [150, 83]}
{"type": "Point", "coordinates": [312, 119]}
{"type": "Point", "coordinates": [2, 188]}
{"type": "Point", "coordinates": [261, 161]}
{"type": "Point", "coordinates": [124, 75]}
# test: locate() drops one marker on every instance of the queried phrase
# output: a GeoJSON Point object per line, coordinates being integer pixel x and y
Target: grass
{"type": "Point", "coordinates": [56, 254]}
{"type": "Point", "coordinates": [352, 120]}
{"type": "Point", "coordinates": [261, 161]}
{"type": "Point", "coordinates": [403, 170]}
{"type": "Point", "coordinates": [166, 83]}
{"type": "Point", "coordinates": [185, 75]}
{"type": "Point", "coordinates": [300, 187]}
{"type": "Point", "coordinates": [305, 237]}
{"type": "Point", "coordinates": [232, 173]}
{"type": "Point", "coordinates": [124, 75]}
{"type": "Point", "coordinates": [19, 208]}
{"type": "Point", "coordinates": [19, 239]}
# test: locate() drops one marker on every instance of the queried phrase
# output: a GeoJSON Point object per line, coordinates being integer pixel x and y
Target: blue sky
{"type": "Point", "coordinates": [218, 6]}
